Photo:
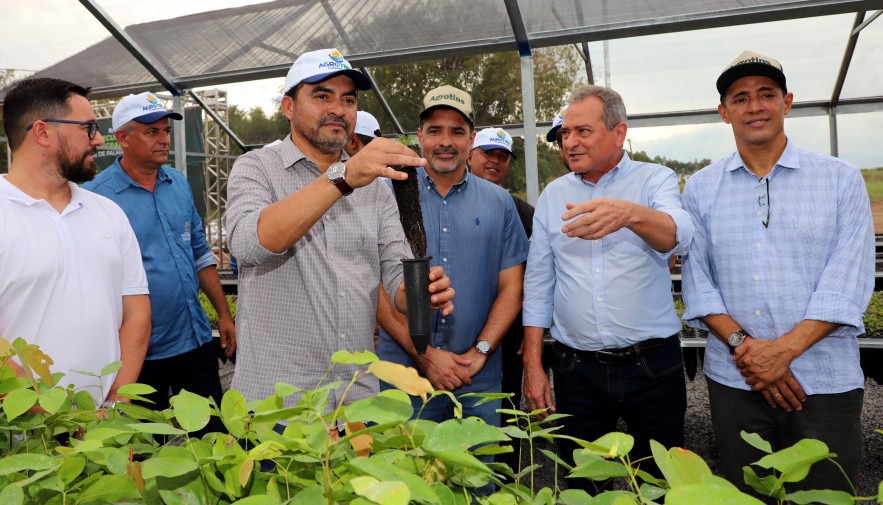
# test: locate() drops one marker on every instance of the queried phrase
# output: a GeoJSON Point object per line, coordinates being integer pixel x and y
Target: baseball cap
{"type": "Point", "coordinates": [750, 63]}
{"type": "Point", "coordinates": [317, 66]}
{"type": "Point", "coordinates": [493, 138]}
{"type": "Point", "coordinates": [450, 97]}
{"type": "Point", "coordinates": [366, 124]}
{"type": "Point", "coordinates": [552, 136]}
{"type": "Point", "coordinates": [143, 107]}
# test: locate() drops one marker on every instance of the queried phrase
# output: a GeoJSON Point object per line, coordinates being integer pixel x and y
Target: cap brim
{"type": "Point", "coordinates": [359, 79]}
{"type": "Point", "coordinates": [552, 136]}
{"type": "Point", "coordinates": [733, 74]}
{"type": "Point", "coordinates": [427, 110]}
{"type": "Point", "coordinates": [156, 116]}
{"type": "Point", "coordinates": [491, 147]}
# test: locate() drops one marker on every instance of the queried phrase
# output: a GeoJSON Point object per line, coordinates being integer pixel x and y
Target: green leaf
{"type": "Point", "coordinates": [18, 401]}
{"type": "Point", "coordinates": [284, 389]}
{"type": "Point", "coordinates": [574, 497]}
{"type": "Point", "coordinates": [383, 470]}
{"type": "Point", "coordinates": [187, 489]}
{"type": "Point", "coordinates": [245, 471]}
{"type": "Point", "coordinates": [650, 492]}
{"type": "Point", "coordinates": [710, 489]}
{"type": "Point", "coordinates": [599, 469]}
{"type": "Point", "coordinates": [312, 495]}
{"type": "Point", "coordinates": [769, 485]}
{"type": "Point", "coordinates": [554, 457]}
{"type": "Point", "coordinates": [461, 434]}
{"type": "Point", "coordinates": [614, 445]}
{"type": "Point", "coordinates": [52, 399]}
{"type": "Point", "coordinates": [825, 496]}
{"type": "Point", "coordinates": [756, 441]}
{"type": "Point", "coordinates": [390, 406]}
{"type": "Point", "coordinates": [111, 368]}
{"type": "Point", "coordinates": [794, 462]}
{"type": "Point", "coordinates": [22, 462]}
{"type": "Point", "coordinates": [191, 410]}
{"type": "Point", "coordinates": [157, 429]}
{"type": "Point", "coordinates": [12, 495]}
{"type": "Point", "coordinates": [260, 499]}
{"type": "Point", "coordinates": [345, 357]}
{"type": "Point", "coordinates": [167, 466]}
{"type": "Point", "coordinates": [118, 461]}
{"type": "Point", "coordinates": [392, 492]}
{"type": "Point", "coordinates": [134, 390]}
{"type": "Point", "coordinates": [624, 500]}
{"type": "Point", "coordinates": [109, 488]}
{"type": "Point", "coordinates": [234, 413]}
{"type": "Point", "coordinates": [71, 468]}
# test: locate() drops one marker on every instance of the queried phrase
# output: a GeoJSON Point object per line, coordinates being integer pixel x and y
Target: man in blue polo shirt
{"type": "Point", "coordinates": [474, 232]}
{"type": "Point", "coordinates": [159, 204]}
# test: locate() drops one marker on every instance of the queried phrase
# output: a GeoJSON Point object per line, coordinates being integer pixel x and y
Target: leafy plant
{"type": "Point", "coordinates": [210, 309]}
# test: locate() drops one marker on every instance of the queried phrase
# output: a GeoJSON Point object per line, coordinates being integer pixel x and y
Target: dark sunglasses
{"type": "Point", "coordinates": [93, 125]}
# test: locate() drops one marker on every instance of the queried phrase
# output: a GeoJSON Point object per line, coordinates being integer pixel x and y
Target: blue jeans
{"type": "Point", "coordinates": [650, 395]}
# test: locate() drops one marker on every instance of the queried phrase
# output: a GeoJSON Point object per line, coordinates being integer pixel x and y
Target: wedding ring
{"type": "Point", "coordinates": [777, 394]}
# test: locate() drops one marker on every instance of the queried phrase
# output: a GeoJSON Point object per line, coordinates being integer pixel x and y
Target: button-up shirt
{"type": "Point", "coordinates": [296, 308]}
{"type": "Point", "coordinates": [814, 260]}
{"type": "Point", "coordinates": [173, 249]}
{"type": "Point", "coordinates": [474, 232]}
{"type": "Point", "coordinates": [611, 292]}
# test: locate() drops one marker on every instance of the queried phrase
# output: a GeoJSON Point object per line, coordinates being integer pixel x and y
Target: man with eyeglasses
{"type": "Point", "coordinates": [598, 266]}
{"type": "Point", "coordinates": [780, 272]}
{"type": "Point", "coordinates": [159, 204]}
{"type": "Point", "coordinates": [71, 278]}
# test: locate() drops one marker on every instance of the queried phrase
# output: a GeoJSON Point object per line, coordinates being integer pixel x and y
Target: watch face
{"type": "Point", "coordinates": [735, 339]}
{"type": "Point", "coordinates": [483, 347]}
{"type": "Point", "coordinates": [335, 171]}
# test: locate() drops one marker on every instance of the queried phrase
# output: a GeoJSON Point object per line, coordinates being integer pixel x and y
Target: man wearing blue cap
{"type": "Point", "coordinates": [315, 234]}
{"type": "Point", "coordinates": [159, 204]}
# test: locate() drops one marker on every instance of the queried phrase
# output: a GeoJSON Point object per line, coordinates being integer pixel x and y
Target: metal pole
{"type": "Point", "coordinates": [180, 136]}
{"type": "Point", "coordinates": [383, 103]}
{"type": "Point", "coordinates": [217, 119]}
{"type": "Point", "coordinates": [531, 173]}
{"type": "Point", "coordinates": [832, 130]}
{"type": "Point", "coordinates": [589, 73]}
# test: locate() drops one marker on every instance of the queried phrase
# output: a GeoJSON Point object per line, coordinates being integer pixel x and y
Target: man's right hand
{"type": "Point", "coordinates": [537, 390]}
{"type": "Point", "coordinates": [785, 393]}
{"type": "Point", "coordinates": [445, 370]}
{"type": "Point", "coordinates": [375, 159]}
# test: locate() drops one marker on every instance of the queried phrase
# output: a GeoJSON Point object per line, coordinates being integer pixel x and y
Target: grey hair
{"type": "Point", "coordinates": [613, 108]}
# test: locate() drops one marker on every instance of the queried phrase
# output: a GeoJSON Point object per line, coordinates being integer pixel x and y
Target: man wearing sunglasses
{"type": "Point", "coordinates": [71, 279]}
{"type": "Point", "coordinates": [780, 271]}
{"type": "Point", "coordinates": [158, 201]}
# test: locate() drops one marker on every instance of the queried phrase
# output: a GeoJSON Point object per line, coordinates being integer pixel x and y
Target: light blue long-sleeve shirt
{"type": "Point", "coordinates": [612, 292]}
{"type": "Point", "coordinates": [814, 260]}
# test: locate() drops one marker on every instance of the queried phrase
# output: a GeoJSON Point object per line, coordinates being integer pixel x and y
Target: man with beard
{"type": "Point", "coordinates": [71, 279]}
{"type": "Point", "coordinates": [314, 235]}
{"type": "Point", "coordinates": [473, 230]}
{"type": "Point", "coordinates": [159, 204]}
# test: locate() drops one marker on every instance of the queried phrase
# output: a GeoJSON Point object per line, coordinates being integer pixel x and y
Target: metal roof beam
{"type": "Point", "coordinates": [847, 59]}
{"type": "Point", "coordinates": [866, 22]}
{"type": "Point", "coordinates": [134, 49]}
{"type": "Point", "coordinates": [218, 120]}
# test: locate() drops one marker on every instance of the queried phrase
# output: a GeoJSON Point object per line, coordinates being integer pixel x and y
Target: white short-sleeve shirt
{"type": "Point", "coordinates": [62, 279]}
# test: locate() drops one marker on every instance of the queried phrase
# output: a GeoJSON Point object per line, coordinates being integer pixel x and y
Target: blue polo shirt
{"type": "Point", "coordinates": [474, 232]}
{"type": "Point", "coordinates": [173, 249]}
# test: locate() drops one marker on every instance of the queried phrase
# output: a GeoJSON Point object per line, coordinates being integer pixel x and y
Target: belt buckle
{"type": "Point", "coordinates": [611, 357]}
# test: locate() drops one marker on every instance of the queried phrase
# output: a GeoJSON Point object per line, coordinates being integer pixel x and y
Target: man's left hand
{"type": "Point", "coordinates": [599, 218]}
{"type": "Point", "coordinates": [227, 330]}
{"type": "Point", "coordinates": [478, 360]}
{"type": "Point", "coordinates": [762, 362]}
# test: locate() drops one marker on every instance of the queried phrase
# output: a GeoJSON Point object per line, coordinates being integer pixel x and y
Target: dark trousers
{"type": "Point", "coordinates": [195, 370]}
{"type": "Point", "coordinates": [650, 395]}
{"type": "Point", "coordinates": [834, 419]}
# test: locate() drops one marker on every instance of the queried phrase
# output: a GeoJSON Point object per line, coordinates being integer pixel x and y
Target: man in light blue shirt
{"type": "Point", "coordinates": [474, 232]}
{"type": "Point", "coordinates": [780, 271]}
{"type": "Point", "coordinates": [598, 267]}
{"type": "Point", "coordinates": [159, 204]}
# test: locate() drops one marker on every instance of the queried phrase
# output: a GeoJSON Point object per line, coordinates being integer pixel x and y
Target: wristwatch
{"type": "Point", "coordinates": [336, 174]}
{"type": "Point", "coordinates": [735, 340]}
{"type": "Point", "coordinates": [111, 404]}
{"type": "Point", "coordinates": [483, 346]}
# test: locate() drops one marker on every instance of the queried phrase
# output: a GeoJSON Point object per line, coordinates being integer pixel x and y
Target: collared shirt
{"type": "Point", "coordinates": [474, 233]}
{"type": "Point", "coordinates": [173, 249]}
{"type": "Point", "coordinates": [298, 307]}
{"type": "Point", "coordinates": [611, 292]}
{"type": "Point", "coordinates": [814, 260]}
{"type": "Point", "coordinates": [63, 277]}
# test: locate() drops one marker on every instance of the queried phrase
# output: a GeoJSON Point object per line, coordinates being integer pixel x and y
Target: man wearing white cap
{"type": "Point", "coordinates": [71, 279]}
{"type": "Point", "coordinates": [159, 204]}
{"type": "Point", "coordinates": [780, 272]}
{"type": "Point", "coordinates": [367, 129]}
{"type": "Point", "coordinates": [473, 230]}
{"type": "Point", "coordinates": [315, 234]}
{"type": "Point", "coordinates": [552, 135]}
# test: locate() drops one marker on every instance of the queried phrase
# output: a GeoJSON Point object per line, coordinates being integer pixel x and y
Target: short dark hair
{"type": "Point", "coordinates": [426, 115]}
{"type": "Point", "coordinates": [293, 91]}
{"type": "Point", "coordinates": [34, 99]}
{"type": "Point", "coordinates": [364, 138]}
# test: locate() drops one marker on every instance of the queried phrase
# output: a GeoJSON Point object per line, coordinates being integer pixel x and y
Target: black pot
{"type": "Point", "coordinates": [416, 272]}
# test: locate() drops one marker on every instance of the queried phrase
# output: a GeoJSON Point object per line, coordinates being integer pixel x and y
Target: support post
{"type": "Point", "coordinates": [832, 130]}
{"type": "Point", "coordinates": [529, 111]}
{"type": "Point", "coordinates": [180, 136]}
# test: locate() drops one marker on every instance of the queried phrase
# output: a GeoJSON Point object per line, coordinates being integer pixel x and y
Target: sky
{"type": "Point", "coordinates": [648, 71]}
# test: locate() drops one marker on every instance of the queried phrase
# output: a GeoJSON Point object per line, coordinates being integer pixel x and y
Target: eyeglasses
{"type": "Point", "coordinates": [93, 125]}
{"type": "Point", "coordinates": [760, 202]}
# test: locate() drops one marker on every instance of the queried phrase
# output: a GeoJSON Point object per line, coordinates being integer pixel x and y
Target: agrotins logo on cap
{"type": "Point", "coordinates": [501, 138]}
{"type": "Point", "coordinates": [336, 61]}
{"type": "Point", "coordinates": [152, 104]}
{"type": "Point", "coordinates": [449, 96]}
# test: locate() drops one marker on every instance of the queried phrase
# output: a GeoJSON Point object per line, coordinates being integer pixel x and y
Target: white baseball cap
{"type": "Point", "coordinates": [367, 125]}
{"type": "Point", "coordinates": [317, 66]}
{"type": "Point", "coordinates": [143, 107]}
{"type": "Point", "coordinates": [552, 136]}
{"type": "Point", "coordinates": [493, 138]}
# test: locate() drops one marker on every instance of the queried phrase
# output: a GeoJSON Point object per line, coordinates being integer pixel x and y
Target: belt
{"type": "Point", "coordinates": [625, 355]}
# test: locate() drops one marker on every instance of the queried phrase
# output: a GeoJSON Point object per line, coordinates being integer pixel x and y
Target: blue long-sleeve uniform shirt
{"type": "Point", "coordinates": [612, 292]}
{"type": "Point", "coordinates": [814, 260]}
{"type": "Point", "coordinates": [173, 250]}
{"type": "Point", "coordinates": [474, 233]}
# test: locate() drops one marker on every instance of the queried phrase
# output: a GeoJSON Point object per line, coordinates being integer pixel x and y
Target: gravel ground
{"type": "Point", "coordinates": [700, 439]}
